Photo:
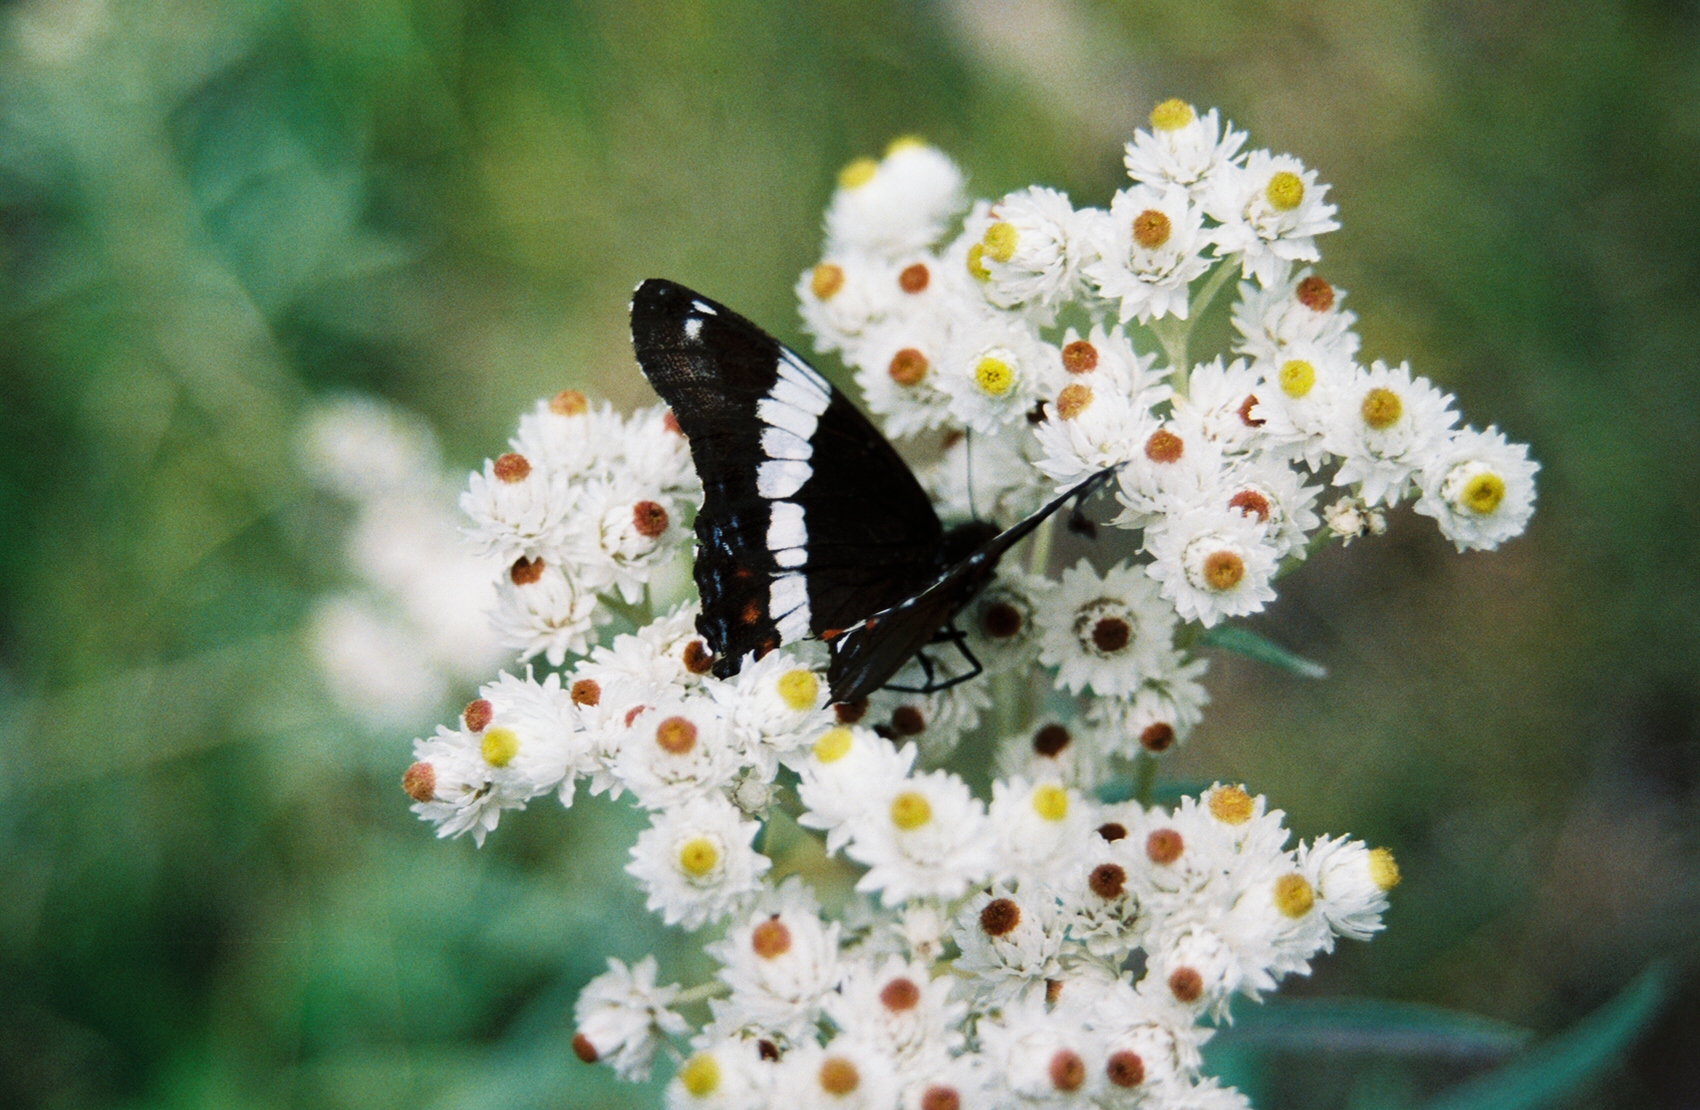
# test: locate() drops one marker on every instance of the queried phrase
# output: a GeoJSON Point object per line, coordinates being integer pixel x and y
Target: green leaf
{"type": "Point", "coordinates": [1372, 1026]}
{"type": "Point", "coordinates": [1578, 1056]}
{"type": "Point", "coordinates": [1243, 641]}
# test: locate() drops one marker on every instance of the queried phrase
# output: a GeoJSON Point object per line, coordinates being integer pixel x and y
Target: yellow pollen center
{"type": "Point", "coordinates": [904, 142]}
{"type": "Point", "coordinates": [826, 279]}
{"type": "Point", "coordinates": [1484, 493]}
{"type": "Point", "coordinates": [1050, 801]}
{"type": "Point", "coordinates": [1172, 115]}
{"type": "Point", "coordinates": [858, 173]}
{"type": "Point", "coordinates": [698, 856]}
{"type": "Point", "coordinates": [500, 746]}
{"type": "Point", "coordinates": [977, 262]}
{"type": "Point", "coordinates": [994, 376]}
{"type": "Point", "coordinates": [1382, 408]}
{"type": "Point", "coordinates": [799, 689]}
{"type": "Point", "coordinates": [838, 1076]}
{"type": "Point", "coordinates": [834, 745]}
{"type": "Point", "coordinates": [1298, 378]}
{"type": "Point", "coordinates": [1383, 871]}
{"type": "Point", "coordinates": [1293, 895]}
{"type": "Point", "coordinates": [910, 810]}
{"type": "Point", "coordinates": [1151, 229]}
{"type": "Point", "coordinates": [1230, 805]}
{"type": "Point", "coordinates": [1285, 191]}
{"type": "Point", "coordinates": [1000, 240]}
{"type": "Point", "coordinates": [700, 1076]}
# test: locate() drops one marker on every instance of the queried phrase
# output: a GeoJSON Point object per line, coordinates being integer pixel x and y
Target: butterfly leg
{"type": "Point", "coordinates": [926, 663]}
{"type": "Point", "coordinates": [1077, 522]}
{"type": "Point", "coordinates": [949, 634]}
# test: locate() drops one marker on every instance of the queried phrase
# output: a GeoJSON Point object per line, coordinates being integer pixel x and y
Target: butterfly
{"type": "Point", "coordinates": [812, 525]}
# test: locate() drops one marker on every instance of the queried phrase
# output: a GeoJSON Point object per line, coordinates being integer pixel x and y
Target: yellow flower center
{"type": "Point", "coordinates": [1050, 801]}
{"type": "Point", "coordinates": [698, 856]}
{"type": "Point", "coordinates": [701, 1075]}
{"type": "Point", "coordinates": [1172, 115]}
{"type": "Point", "coordinates": [838, 1076]}
{"type": "Point", "coordinates": [1382, 408]}
{"type": "Point", "coordinates": [1230, 805]}
{"type": "Point", "coordinates": [904, 142]}
{"type": "Point", "coordinates": [994, 376]}
{"type": "Point", "coordinates": [858, 173]}
{"type": "Point", "coordinates": [500, 746]}
{"type": "Point", "coordinates": [977, 262]}
{"type": "Point", "coordinates": [799, 688]}
{"type": "Point", "coordinates": [1285, 191]}
{"type": "Point", "coordinates": [1298, 378]}
{"type": "Point", "coordinates": [1293, 895]}
{"type": "Point", "coordinates": [834, 745]}
{"type": "Point", "coordinates": [1484, 493]}
{"type": "Point", "coordinates": [1383, 871]}
{"type": "Point", "coordinates": [1000, 240]}
{"type": "Point", "coordinates": [910, 810]}
{"type": "Point", "coordinates": [826, 279]}
{"type": "Point", "coordinates": [1223, 570]}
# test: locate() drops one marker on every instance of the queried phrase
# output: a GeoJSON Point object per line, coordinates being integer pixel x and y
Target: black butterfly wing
{"type": "Point", "coordinates": [866, 656]}
{"type": "Point", "coordinates": [810, 519]}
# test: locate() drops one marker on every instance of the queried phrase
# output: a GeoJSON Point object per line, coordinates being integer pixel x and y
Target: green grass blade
{"type": "Point", "coordinates": [1243, 641]}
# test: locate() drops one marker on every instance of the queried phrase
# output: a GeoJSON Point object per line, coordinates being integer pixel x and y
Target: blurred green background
{"type": "Point", "coordinates": [211, 891]}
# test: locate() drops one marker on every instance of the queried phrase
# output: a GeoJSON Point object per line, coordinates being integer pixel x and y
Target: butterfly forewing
{"type": "Point", "coordinates": [810, 520]}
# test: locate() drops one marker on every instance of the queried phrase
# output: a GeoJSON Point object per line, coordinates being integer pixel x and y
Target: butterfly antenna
{"type": "Point", "coordinates": [968, 461]}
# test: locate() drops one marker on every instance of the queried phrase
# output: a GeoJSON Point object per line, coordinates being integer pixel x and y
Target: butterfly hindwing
{"type": "Point", "coordinates": [810, 519]}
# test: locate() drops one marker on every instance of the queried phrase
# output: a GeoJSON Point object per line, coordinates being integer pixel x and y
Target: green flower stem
{"type": "Point", "coordinates": [1144, 777]}
{"type": "Point", "coordinates": [702, 992]}
{"type": "Point", "coordinates": [1172, 333]}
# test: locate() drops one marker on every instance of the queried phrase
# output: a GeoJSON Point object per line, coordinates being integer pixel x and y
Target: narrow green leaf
{"type": "Point", "coordinates": [1372, 1026]}
{"type": "Point", "coordinates": [1565, 1063]}
{"type": "Point", "coordinates": [1243, 641]}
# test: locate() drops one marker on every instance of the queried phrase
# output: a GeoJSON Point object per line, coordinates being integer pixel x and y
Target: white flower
{"type": "Point", "coordinates": [619, 534]}
{"type": "Point", "coordinates": [1099, 895]}
{"type": "Point", "coordinates": [1159, 715]}
{"type": "Point", "coordinates": [1182, 148]}
{"type": "Point", "coordinates": [999, 622]}
{"type": "Point", "coordinates": [781, 962]}
{"type": "Point", "coordinates": [1351, 882]}
{"type": "Point", "coordinates": [979, 477]}
{"type": "Point", "coordinates": [668, 651]}
{"type": "Point", "coordinates": [518, 509]}
{"type": "Point", "coordinates": [1350, 519]}
{"type": "Point", "coordinates": [696, 862]}
{"type": "Point", "coordinates": [571, 438]}
{"type": "Point", "coordinates": [899, 1008]}
{"type": "Point", "coordinates": [933, 722]}
{"type": "Point", "coordinates": [1296, 399]}
{"type": "Point", "coordinates": [1039, 825]}
{"type": "Point", "coordinates": [775, 704]}
{"type": "Point", "coordinates": [1102, 416]}
{"type": "Point", "coordinates": [1046, 1060]}
{"type": "Point", "coordinates": [1478, 488]}
{"type": "Point", "coordinates": [996, 372]}
{"type": "Point", "coordinates": [463, 778]}
{"type": "Point", "coordinates": [1053, 751]}
{"type": "Point", "coordinates": [674, 751]}
{"type": "Point", "coordinates": [1387, 425]}
{"type": "Point", "coordinates": [896, 206]}
{"type": "Point", "coordinates": [655, 455]}
{"type": "Point", "coordinates": [1212, 563]}
{"type": "Point", "coordinates": [1302, 309]}
{"type": "Point", "coordinates": [847, 772]}
{"type": "Point", "coordinates": [545, 724]}
{"type": "Point", "coordinates": [361, 448]}
{"type": "Point", "coordinates": [1270, 211]}
{"type": "Point", "coordinates": [1010, 941]}
{"type": "Point", "coordinates": [722, 1075]}
{"type": "Point", "coordinates": [1157, 1030]}
{"type": "Point", "coordinates": [620, 1017]}
{"type": "Point", "coordinates": [1149, 249]}
{"type": "Point", "coordinates": [926, 836]}
{"type": "Point", "coordinates": [1219, 407]}
{"type": "Point", "coordinates": [898, 364]}
{"type": "Point", "coordinates": [843, 296]}
{"type": "Point", "coordinates": [1032, 252]}
{"type": "Point", "coordinates": [1172, 473]}
{"type": "Point", "coordinates": [542, 611]}
{"type": "Point", "coordinates": [844, 1075]}
{"type": "Point", "coordinates": [1102, 633]}
{"type": "Point", "coordinates": [1272, 492]}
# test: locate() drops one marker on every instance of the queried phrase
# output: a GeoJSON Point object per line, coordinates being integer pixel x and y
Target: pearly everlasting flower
{"type": "Point", "coordinates": [1000, 621]}
{"type": "Point", "coordinates": [1270, 212]}
{"type": "Point", "coordinates": [985, 478]}
{"type": "Point", "coordinates": [1351, 882]}
{"type": "Point", "coordinates": [1479, 488]}
{"type": "Point", "coordinates": [995, 374]}
{"type": "Point", "coordinates": [898, 364]}
{"type": "Point", "coordinates": [570, 438]}
{"type": "Point", "coordinates": [896, 206]}
{"type": "Point", "coordinates": [1148, 250]}
{"type": "Point", "coordinates": [1101, 632]}
{"type": "Point", "coordinates": [1032, 251]}
{"type": "Point", "coordinates": [1054, 751]}
{"type": "Point", "coordinates": [1045, 1059]}
{"type": "Point", "coordinates": [1040, 827]}
{"type": "Point", "coordinates": [842, 1075]}
{"type": "Point", "coordinates": [1173, 472]}
{"type": "Point", "coordinates": [1011, 942]}
{"type": "Point", "coordinates": [1159, 715]}
{"type": "Point", "coordinates": [1297, 395]}
{"type": "Point", "coordinates": [1386, 425]}
{"type": "Point", "coordinates": [782, 964]}
{"type": "Point", "coordinates": [722, 1075]}
{"type": "Point", "coordinates": [696, 862]}
{"type": "Point", "coordinates": [618, 534]}
{"type": "Point", "coordinates": [1212, 564]}
{"type": "Point", "coordinates": [934, 722]}
{"type": "Point", "coordinates": [1098, 892]}
{"type": "Point", "coordinates": [1301, 310]}
{"type": "Point", "coordinates": [902, 1010]}
{"type": "Point", "coordinates": [673, 751]}
{"type": "Point", "coordinates": [1220, 405]}
{"type": "Point", "coordinates": [621, 1016]}
{"type": "Point", "coordinates": [927, 836]}
{"type": "Point", "coordinates": [844, 297]}
{"type": "Point", "coordinates": [552, 744]}
{"type": "Point", "coordinates": [518, 509]}
{"type": "Point", "coordinates": [541, 610]}
{"type": "Point", "coordinates": [667, 652]}
{"type": "Point", "coordinates": [1275, 496]}
{"type": "Point", "coordinates": [775, 705]}
{"type": "Point", "coordinates": [1182, 148]}
{"type": "Point", "coordinates": [1102, 416]}
{"type": "Point", "coordinates": [847, 770]}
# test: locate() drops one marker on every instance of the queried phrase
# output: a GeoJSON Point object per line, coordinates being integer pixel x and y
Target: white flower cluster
{"type": "Point", "coordinates": [1044, 948]}
{"type": "Point", "coordinates": [392, 649]}
{"type": "Point", "coordinates": [587, 503]}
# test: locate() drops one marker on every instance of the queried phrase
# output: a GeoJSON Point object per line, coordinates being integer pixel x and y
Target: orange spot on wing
{"type": "Point", "coordinates": [751, 613]}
